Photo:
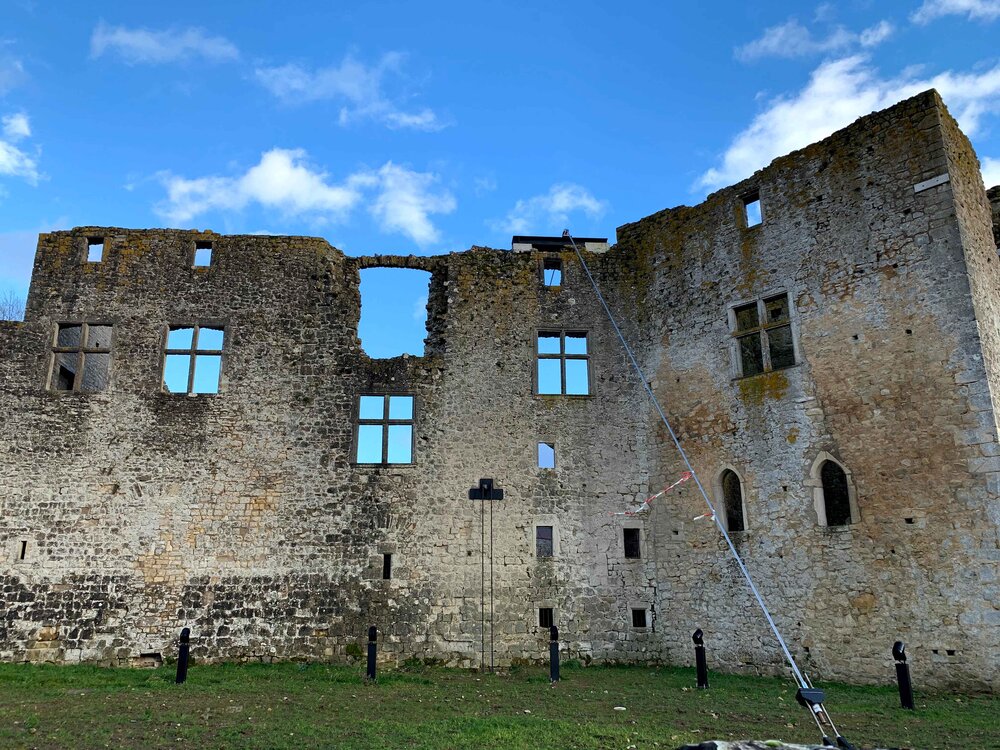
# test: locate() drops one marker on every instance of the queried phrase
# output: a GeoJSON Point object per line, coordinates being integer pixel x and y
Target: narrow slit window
{"type": "Point", "coordinates": [732, 495]}
{"type": "Point", "coordinates": [81, 358]}
{"type": "Point", "coordinates": [545, 619]}
{"type": "Point", "coordinates": [563, 363]}
{"type": "Point", "coordinates": [202, 254]}
{"type": "Point", "coordinates": [24, 550]}
{"type": "Point", "coordinates": [95, 249]}
{"type": "Point", "coordinates": [385, 429]}
{"type": "Point", "coordinates": [386, 566]}
{"type": "Point", "coordinates": [633, 549]}
{"type": "Point", "coordinates": [192, 362]}
{"type": "Point", "coordinates": [543, 541]}
{"type": "Point", "coordinates": [552, 271]}
{"type": "Point", "coordinates": [638, 618]}
{"type": "Point", "coordinates": [546, 456]}
{"type": "Point", "coordinates": [751, 210]}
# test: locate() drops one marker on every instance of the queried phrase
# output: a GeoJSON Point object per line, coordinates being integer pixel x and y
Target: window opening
{"type": "Point", "coordinates": [546, 455]}
{"type": "Point", "coordinates": [386, 566]}
{"type": "Point", "coordinates": [202, 254]}
{"type": "Point", "coordinates": [836, 497]}
{"type": "Point", "coordinates": [385, 429]}
{"type": "Point", "coordinates": [763, 331]}
{"type": "Point", "coordinates": [193, 359]}
{"type": "Point", "coordinates": [563, 363]}
{"type": "Point", "coordinates": [95, 249]}
{"type": "Point", "coordinates": [24, 550]}
{"type": "Point", "coordinates": [751, 210]}
{"type": "Point", "coordinates": [543, 541]}
{"type": "Point", "coordinates": [545, 619]}
{"type": "Point", "coordinates": [81, 358]}
{"type": "Point", "coordinates": [552, 270]}
{"type": "Point", "coordinates": [638, 618]}
{"type": "Point", "coordinates": [393, 311]}
{"type": "Point", "coordinates": [732, 495]}
{"type": "Point", "coordinates": [631, 540]}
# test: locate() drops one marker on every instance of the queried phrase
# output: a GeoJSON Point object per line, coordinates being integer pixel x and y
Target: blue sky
{"type": "Point", "coordinates": [430, 127]}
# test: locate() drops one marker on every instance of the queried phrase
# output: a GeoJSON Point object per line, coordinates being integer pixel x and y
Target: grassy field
{"type": "Point", "coordinates": [317, 705]}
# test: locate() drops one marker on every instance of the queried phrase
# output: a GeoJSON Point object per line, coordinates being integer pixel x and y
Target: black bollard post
{"type": "Point", "coordinates": [372, 635]}
{"type": "Point", "coordinates": [553, 654]}
{"type": "Point", "coordinates": [699, 658]}
{"type": "Point", "coordinates": [903, 675]}
{"type": "Point", "coordinates": [183, 655]}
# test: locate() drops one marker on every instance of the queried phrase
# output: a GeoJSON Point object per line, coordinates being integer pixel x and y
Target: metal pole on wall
{"type": "Point", "coordinates": [485, 492]}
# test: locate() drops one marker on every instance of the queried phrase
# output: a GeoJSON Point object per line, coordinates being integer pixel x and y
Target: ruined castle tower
{"type": "Point", "coordinates": [191, 435]}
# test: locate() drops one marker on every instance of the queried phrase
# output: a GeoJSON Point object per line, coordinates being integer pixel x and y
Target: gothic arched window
{"type": "Point", "coordinates": [732, 498]}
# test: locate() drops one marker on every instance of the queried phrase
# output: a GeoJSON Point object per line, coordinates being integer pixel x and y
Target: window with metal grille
{"type": "Point", "coordinates": [638, 618]}
{"type": "Point", "coordinates": [192, 360]}
{"type": "Point", "coordinates": [81, 357]}
{"type": "Point", "coordinates": [632, 547]}
{"type": "Point", "coordinates": [562, 363]}
{"type": "Point", "coordinates": [763, 332]}
{"type": "Point", "coordinates": [545, 617]}
{"type": "Point", "coordinates": [543, 541]}
{"type": "Point", "coordinates": [385, 429]}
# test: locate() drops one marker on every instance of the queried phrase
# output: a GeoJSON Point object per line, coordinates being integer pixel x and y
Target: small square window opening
{"type": "Point", "coordinates": [543, 541]}
{"type": "Point", "coordinates": [95, 249]}
{"type": "Point", "coordinates": [545, 617]}
{"type": "Point", "coordinates": [638, 618]}
{"type": "Point", "coordinates": [632, 546]}
{"type": "Point", "coordinates": [552, 270]}
{"type": "Point", "coordinates": [751, 210]}
{"type": "Point", "coordinates": [202, 254]}
{"type": "Point", "coordinates": [546, 456]}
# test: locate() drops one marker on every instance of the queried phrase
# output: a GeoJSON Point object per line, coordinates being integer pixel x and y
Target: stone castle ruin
{"type": "Point", "coordinates": [191, 435]}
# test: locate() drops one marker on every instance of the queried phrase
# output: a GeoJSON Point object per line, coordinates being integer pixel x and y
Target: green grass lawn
{"type": "Point", "coordinates": [318, 705]}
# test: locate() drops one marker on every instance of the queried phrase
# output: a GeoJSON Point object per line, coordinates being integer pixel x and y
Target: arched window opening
{"type": "Point", "coordinates": [836, 498]}
{"type": "Point", "coordinates": [732, 495]}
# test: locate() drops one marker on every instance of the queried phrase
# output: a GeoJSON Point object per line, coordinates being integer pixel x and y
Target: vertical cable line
{"type": "Point", "coordinates": [673, 436]}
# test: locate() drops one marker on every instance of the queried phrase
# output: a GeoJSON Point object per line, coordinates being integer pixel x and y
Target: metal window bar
{"type": "Point", "coordinates": [385, 422]}
{"type": "Point", "coordinates": [192, 352]}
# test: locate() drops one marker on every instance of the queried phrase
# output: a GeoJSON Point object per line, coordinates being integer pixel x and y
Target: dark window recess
{"type": "Point", "coordinates": [552, 270]}
{"type": "Point", "coordinates": [543, 541]}
{"type": "Point", "coordinates": [385, 430]}
{"type": "Point", "coordinates": [192, 360]}
{"type": "Point", "coordinates": [545, 617]}
{"type": "Point", "coordinates": [386, 566]}
{"type": "Point", "coordinates": [751, 210]}
{"type": "Point", "coordinates": [202, 254]}
{"type": "Point", "coordinates": [81, 358]}
{"type": "Point", "coordinates": [836, 499]}
{"type": "Point", "coordinates": [24, 550]}
{"type": "Point", "coordinates": [95, 249]}
{"type": "Point", "coordinates": [732, 496]}
{"type": "Point", "coordinates": [632, 548]}
{"type": "Point", "coordinates": [638, 618]}
{"type": "Point", "coordinates": [764, 335]}
{"type": "Point", "coordinates": [562, 363]}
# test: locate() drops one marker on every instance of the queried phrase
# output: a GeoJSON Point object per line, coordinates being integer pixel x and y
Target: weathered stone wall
{"type": "Point", "coordinates": [243, 516]}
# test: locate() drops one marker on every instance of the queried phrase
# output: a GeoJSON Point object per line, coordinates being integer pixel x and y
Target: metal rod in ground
{"type": "Point", "coordinates": [903, 675]}
{"type": "Point", "coordinates": [372, 653]}
{"type": "Point", "coordinates": [553, 654]}
{"type": "Point", "coordinates": [183, 655]}
{"type": "Point", "coordinates": [701, 663]}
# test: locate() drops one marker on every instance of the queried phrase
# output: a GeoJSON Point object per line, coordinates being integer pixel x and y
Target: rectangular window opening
{"type": "Point", "coordinates": [24, 550]}
{"type": "Point", "coordinates": [393, 311]}
{"type": "Point", "coordinates": [95, 249]}
{"type": "Point", "coordinates": [562, 363]}
{"type": "Point", "coordinates": [632, 546]}
{"type": "Point", "coordinates": [192, 359]}
{"type": "Point", "coordinates": [81, 358]}
{"type": "Point", "coordinates": [751, 210]}
{"type": "Point", "coordinates": [638, 618]}
{"type": "Point", "coordinates": [385, 429]}
{"type": "Point", "coordinates": [202, 254]}
{"type": "Point", "coordinates": [546, 455]}
{"type": "Point", "coordinates": [763, 333]}
{"type": "Point", "coordinates": [543, 541]}
{"type": "Point", "coordinates": [386, 566]}
{"type": "Point", "coordinates": [552, 270]}
{"type": "Point", "coordinates": [545, 619]}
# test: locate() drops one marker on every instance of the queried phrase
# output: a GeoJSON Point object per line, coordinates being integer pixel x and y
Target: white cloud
{"type": "Point", "coordinates": [170, 45]}
{"type": "Point", "coordinates": [400, 199]}
{"type": "Point", "coordinates": [16, 126]}
{"type": "Point", "coordinates": [991, 171]}
{"type": "Point", "coordinates": [11, 74]}
{"type": "Point", "coordinates": [420, 308]}
{"type": "Point", "coordinates": [550, 211]}
{"type": "Point", "coordinates": [979, 10]}
{"type": "Point", "coordinates": [14, 162]}
{"type": "Point", "coordinates": [839, 92]}
{"type": "Point", "coordinates": [792, 39]}
{"type": "Point", "coordinates": [357, 86]}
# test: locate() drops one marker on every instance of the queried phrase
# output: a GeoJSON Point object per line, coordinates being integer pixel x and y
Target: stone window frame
{"type": "Point", "coordinates": [193, 352]}
{"type": "Point", "coordinates": [735, 334]}
{"type": "Point", "coordinates": [202, 244]}
{"type": "Point", "coordinates": [543, 260]}
{"type": "Point", "coordinates": [81, 351]}
{"type": "Point", "coordinates": [815, 482]}
{"type": "Point", "coordinates": [637, 526]}
{"type": "Point", "coordinates": [385, 422]}
{"type": "Point", "coordinates": [748, 198]}
{"type": "Point", "coordinates": [648, 608]}
{"type": "Point", "coordinates": [562, 357]}
{"type": "Point", "coordinates": [720, 498]}
{"type": "Point", "coordinates": [89, 241]}
{"type": "Point", "coordinates": [545, 520]}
